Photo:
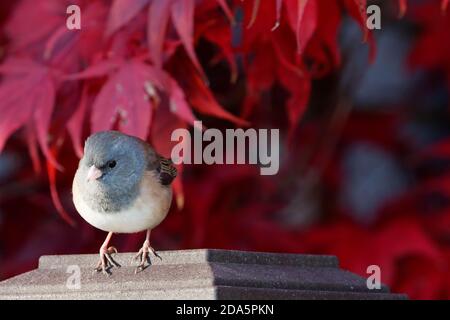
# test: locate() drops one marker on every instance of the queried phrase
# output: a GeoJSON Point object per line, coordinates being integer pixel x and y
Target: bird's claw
{"type": "Point", "coordinates": [106, 262]}
{"type": "Point", "coordinates": [144, 257]}
{"type": "Point", "coordinates": [155, 253]}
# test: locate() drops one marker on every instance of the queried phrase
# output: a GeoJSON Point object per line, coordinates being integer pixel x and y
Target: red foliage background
{"type": "Point", "coordinates": [146, 67]}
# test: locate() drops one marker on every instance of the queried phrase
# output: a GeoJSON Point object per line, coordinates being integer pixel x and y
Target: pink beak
{"type": "Point", "coordinates": [93, 174]}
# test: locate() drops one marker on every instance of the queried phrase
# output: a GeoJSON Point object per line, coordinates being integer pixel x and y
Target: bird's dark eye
{"type": "Point", "coordinates": [112, 164]}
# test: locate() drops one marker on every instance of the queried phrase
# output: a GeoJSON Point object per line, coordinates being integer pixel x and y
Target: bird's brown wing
{"type": "Point", "coordinates": [167, 171]}
{"type": "Point", "coordinates": [163, 166]}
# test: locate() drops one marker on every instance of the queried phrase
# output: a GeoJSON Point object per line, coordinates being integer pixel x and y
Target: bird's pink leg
{"type": "Point", "coordinates": [143, 254]}
{"type": "Point", "coordinates": [106, 261]}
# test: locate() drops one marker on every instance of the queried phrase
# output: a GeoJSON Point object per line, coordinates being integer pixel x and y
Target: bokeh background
{"type": "Point", "coordinates": [364, 120]}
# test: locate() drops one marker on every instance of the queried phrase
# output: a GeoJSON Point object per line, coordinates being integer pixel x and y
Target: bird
{"type": "Point", "coordinates": [122, 185]}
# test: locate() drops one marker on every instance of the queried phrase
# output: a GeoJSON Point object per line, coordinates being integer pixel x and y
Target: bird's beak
{"type": "Point", "coordinates": [93, 174]}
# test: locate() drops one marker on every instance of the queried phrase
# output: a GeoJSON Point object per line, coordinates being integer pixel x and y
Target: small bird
{"type": "Point", "coordinates": [122, 186]}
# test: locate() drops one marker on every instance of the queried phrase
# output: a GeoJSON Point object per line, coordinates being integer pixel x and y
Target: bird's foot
{"type": "Point", "coordinates": [144, 256]}
{"type": "Point", "coordinates": [106, 262]}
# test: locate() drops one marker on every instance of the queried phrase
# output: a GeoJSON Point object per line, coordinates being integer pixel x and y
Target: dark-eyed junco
{"type": "Point", "coordinates": [122, 186]}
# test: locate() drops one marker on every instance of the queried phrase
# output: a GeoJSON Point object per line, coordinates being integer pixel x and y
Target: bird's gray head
{"type": "Point", "coordinates": [111, 169]}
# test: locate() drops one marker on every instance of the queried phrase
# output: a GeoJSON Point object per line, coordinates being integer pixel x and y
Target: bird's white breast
{"type": "Point", "coordinates": [146, 212]}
